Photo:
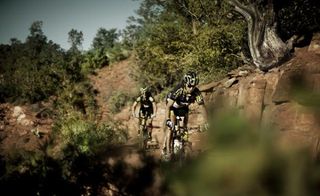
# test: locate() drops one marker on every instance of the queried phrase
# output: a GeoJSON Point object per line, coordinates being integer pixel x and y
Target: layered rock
{"type": "Point", "coordinates": [284, 98]}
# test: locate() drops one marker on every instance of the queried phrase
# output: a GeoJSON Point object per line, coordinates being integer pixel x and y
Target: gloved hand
{"type": "Point", "coordinates": [169, 123]}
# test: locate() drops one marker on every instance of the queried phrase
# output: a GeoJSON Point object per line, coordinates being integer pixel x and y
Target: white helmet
{"type": "Point", "coordinates": [191, 79]}
{"type": "Point", "coordinates": [143, 91]}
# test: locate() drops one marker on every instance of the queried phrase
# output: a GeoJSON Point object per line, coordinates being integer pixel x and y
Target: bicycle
{"type": "Point", "coordinates": [180, 145]}
{"type": "Point", "coordinates": [145, 129]}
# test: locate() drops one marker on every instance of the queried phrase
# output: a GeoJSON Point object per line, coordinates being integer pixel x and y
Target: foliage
{"type": "Point", "coordinates": [118, 100]}
{"type": "Point", "coordinates": [32, 69]}
{"type": "Point", "coordinates": [38, 68]}
{"type": "Point", "coordinates": [118, 53]}
{"type": "Point", "coordinates": [98, 58]}
{"type": "Point", "coordinates": [40, 174]}
{"type": "Point", "coordinates": [170, 37]}
{"type": "Point", "coordinates": [78, 97]}
{"type": "Point", "coordinates": [106, 50]}
{"type": "Point", "coordinates": [171, 41]}
{"type": "Point", "coordinates": [105, 38]}
{"type": "Point", "coordinates": [33, 173]}
{"type": "Point", "coordinates": [75, 39]}
{"type": "Point", "coordinates": [85, 136]}
{"type": "Point", "coordinates": [94, 59]}
{"type": "Point", "coordinates": [77, 120]}
{"type": "Point", "coordinates": [131, 33]}
{"type": "Point", "coordinates": [243, 160]}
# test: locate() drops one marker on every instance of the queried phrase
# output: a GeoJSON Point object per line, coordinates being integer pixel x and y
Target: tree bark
{"type": "Point", "coordinates": [266, 47]}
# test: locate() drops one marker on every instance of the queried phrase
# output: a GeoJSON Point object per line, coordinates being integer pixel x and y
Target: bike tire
{"type": "Point", "coordinates": [143, 139]}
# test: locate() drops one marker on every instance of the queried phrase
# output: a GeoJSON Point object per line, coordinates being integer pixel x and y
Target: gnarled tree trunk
{"type": "Point", "coordinates": [266, 48]}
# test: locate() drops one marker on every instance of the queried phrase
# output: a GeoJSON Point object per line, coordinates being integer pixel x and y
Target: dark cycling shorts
{"type": "Point", "coordinates": [180, 111]}
{"type": "Point", "coordinates": [145, 112]}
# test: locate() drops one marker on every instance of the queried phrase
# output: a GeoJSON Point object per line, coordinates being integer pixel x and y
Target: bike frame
{"type": "Point", "coordinates": [179, 141]}
{"type": "Point", "coordinates": [143, 131]}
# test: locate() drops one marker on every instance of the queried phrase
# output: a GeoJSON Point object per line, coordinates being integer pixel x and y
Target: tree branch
{"type": "Point", "coordinates": [266, 48]}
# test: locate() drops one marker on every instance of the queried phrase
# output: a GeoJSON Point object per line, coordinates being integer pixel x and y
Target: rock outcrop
{"type": "Point", "coordinates": [285, 98]}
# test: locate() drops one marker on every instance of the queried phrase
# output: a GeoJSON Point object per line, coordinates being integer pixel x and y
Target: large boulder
{"type": "Point", "coordinates": [282, 99]}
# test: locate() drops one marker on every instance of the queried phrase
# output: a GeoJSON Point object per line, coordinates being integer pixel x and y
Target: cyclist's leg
{"type": "Point", "coordinates": [141, 121]}
{"type": "Point", "coordinates": [185, 121]}
{"type": "Point", "coordinates": [187, 143]}
{"type": "Point", "coordinates": [170, 132]}
{"type": "Point", "coordinates": [164, 144]}
{"type": "Point", "coordinates": [139, 124]}
{"type": "Point", "coordinates": [167, 136]}
{"type": "Point", "coordinates": [149, 123]}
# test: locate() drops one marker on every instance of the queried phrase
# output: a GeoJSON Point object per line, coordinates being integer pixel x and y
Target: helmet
{"type": "Point", "coordinates": [143, 91]}
{"type": "Point", "coordinates": [191, 79]}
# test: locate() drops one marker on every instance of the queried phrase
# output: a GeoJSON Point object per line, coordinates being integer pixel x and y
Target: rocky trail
{"type": "Point", "coordinates": [117, 78]}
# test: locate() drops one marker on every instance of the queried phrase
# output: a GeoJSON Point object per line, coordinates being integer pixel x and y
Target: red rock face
{"type": "Point", "coordinates": [273, 100]}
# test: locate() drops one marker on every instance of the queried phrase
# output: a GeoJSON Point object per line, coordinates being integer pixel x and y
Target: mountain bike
{"type": "Point", "coordinates": [181, 147]}
{"type": "Point", "coordinates": [144, 132]}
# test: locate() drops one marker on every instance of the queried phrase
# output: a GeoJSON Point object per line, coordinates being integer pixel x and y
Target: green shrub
{"type": "Point", "coordinates": [118, 53]}
{"type": "Point", "coordinates": [118, 100]}
{"type": "Point", "coordinates": [95, 59]}
{"type": "Point", "coordinates": [77, 97]}
{"type": "Point", "coordinates": [86, 136]}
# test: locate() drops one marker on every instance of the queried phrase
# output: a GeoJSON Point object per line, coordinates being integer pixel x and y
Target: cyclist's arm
{"type": "Point", "coordinates": [169, 104]}
{"type": "Point", "coordinates": [154, 105]}
{"type": "Point", "coordinates": [200, 102]}
{"type": "Point", "coordinates": [133, 108]}
{"type": "Point", "coordinates": [204, 112]}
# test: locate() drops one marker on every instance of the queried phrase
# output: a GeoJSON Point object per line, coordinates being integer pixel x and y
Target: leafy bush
{"type": "Point", "coordinates": [118, 53]}
{"type": "Point", "coordinates": [95, 59]}
{"type": "Point", "coordinates": [118, 100]}
{"type": "Point", "coordinates": [77, 97]}
{"type": "Point", "coordinates": [172, 44]}
{"type": "Point", "coordinates": [86, 136]}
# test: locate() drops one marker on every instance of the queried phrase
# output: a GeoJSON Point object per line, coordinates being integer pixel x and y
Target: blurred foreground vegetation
{"type": "Point", "coordinates": [243, 160]}
{"type": "Point", "coordinates": [239, 159]}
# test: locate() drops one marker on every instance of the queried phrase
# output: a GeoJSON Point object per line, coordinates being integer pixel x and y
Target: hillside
{"type": "Point", "coordinates": [261, 97]}
{"type": "Point", "coordinates": [284, 100]}
{"type": "Point", "coordinates": [112, 79]}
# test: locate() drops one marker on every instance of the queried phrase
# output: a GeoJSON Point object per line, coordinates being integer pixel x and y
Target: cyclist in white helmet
{"type": "Point", "coordinates": [178, 101]}
{"type": "Point", "coordinates": [148, 108]}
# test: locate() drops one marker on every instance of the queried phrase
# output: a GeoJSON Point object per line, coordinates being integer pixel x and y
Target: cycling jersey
{"type": "Point", "coordinates": [146, 108]}
{"type": "Point", "coordinates": [182, 99]}
{"type": "Point", "coordinates": [145, 102]}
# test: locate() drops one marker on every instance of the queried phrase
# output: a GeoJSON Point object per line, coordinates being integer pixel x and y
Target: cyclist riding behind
{"type": "Point", "coordinates": [178, 102]}
{"type": "Point", "coordinates": [147, 109]}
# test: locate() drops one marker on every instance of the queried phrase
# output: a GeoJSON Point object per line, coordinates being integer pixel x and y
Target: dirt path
{"type": "Point", "coordinates": [118, 78]}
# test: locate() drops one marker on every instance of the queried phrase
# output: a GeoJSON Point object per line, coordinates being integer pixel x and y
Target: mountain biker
{"type": "Point", "coordinates": [148, 109]}
{"type": "Point", "coordinates": [178, 101]}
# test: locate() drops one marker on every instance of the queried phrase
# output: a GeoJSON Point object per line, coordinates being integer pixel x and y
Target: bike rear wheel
{"type": "Point", "coordinates": [143, 139]}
